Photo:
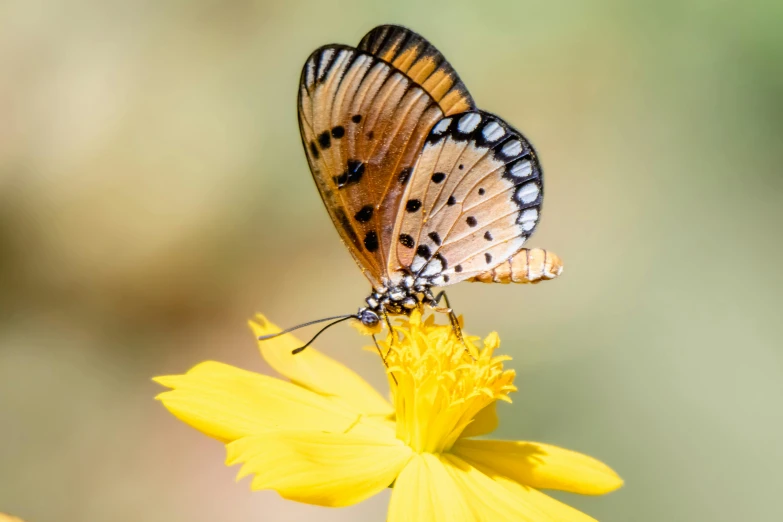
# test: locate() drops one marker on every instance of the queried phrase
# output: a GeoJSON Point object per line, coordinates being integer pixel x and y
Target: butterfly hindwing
{"type": "Point", "coordinates": [473, 199]}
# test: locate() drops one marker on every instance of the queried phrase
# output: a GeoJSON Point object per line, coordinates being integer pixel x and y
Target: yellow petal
{"type": "Point", "coordinates": [424, 491]}
{"type": "Point", "coordinates": [444, 488]}
{"type": "Point", "coordinates": [317, 372]}
{"type": "Point", "coordinates": [227, 403]}
{"type": "Point", "coordinates": [484, 422]}
{"type": "Point", "coordinates": [541, 466]}
{"type": "Point", "coordinates": [326, 469]}
{"type": "Point", "coordinates": [492, 502]}
{"type": "Point", "coordinates": [554, 509]}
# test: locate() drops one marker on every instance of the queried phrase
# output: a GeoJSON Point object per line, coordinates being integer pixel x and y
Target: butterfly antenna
{"type": "Point", "coordinates": [287, 330]}
{"type": "Point", "coordinates": [322, 330]}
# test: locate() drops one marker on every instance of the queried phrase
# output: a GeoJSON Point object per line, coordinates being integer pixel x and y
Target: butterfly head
{"type": "Point", "coordinates": [369, 318]}
{"type": "Point", "coordinates": [399, 299]}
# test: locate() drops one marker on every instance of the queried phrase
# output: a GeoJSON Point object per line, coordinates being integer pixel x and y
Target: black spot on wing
{"type": "Point", "coordinates": [365, 214]}
{"type": "Point", "coordinates": [488, 235]}
{"type": "Point", "coordinates": [314, 150]}
{"type": "Point", "coordinates": [423, 251]}
{"type": "Point", "coordinates": [371, 241]}
{"type": "Point", "coordinates": [355, 168]}
{"type": "Point", "coordinates": [471, 221]}
{"type": "Point", "coordinates": [458, 268]}
{"type": "Point", "coordinates": [405, 175]}
{"type": "Point", "coordinates": [452, 201]}
{"type": "Point", "coordinates": [341, 180]}
{"type": "Point", "coordinates": [438, 177]}
{"type": "Point", "coordinates": [356, 118]}
{"type": "Point", "coordinates": [435, 238]}
{"type": "Point", "coordinates": [407, 241]}
{"type": "Point", "coordinates": [338, 132]}
{"type": "Point", "coordinates": [353, 174]}
{"type": "Point", "coordinates": [488, 257]}
{"type": "Point", "coordinates": [413, 205]}
{"type": "Point", "coordinates": [324, 140]}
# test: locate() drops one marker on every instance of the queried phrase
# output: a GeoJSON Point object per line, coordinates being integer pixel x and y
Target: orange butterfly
{"type": "Point", "coordinates": [425, 189]}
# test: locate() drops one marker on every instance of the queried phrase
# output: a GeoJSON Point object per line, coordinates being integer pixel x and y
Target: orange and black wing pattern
{"type": "Point", "coordinates": [364, 116]}
{"type": "Point", "coordinates": [411, 54]}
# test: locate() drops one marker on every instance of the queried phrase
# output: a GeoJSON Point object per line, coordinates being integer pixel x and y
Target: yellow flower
{"type": "Point", "coordinates": [328, 438]}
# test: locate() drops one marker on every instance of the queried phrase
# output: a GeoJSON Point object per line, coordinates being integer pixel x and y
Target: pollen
{"type": "Point", "coordinates": [441, 381]}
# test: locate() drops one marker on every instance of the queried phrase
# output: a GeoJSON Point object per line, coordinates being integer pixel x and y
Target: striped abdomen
{"type": "Point", "coordinates": [526, 266]}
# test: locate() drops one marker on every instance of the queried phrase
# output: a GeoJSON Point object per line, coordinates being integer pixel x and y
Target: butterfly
{"type": "Point", "coordinates": [425, 189]}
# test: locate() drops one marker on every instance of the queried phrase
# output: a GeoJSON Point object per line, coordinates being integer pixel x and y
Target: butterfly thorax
{"type": "Point", "coordinates": [399, 299]}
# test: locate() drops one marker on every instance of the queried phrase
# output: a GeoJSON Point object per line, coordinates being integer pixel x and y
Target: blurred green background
{"type": "Point", "coordinates": [154, 195]}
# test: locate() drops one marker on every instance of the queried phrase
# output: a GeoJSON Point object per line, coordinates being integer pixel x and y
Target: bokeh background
{"type": "Point", "coordinates": [154, 195]}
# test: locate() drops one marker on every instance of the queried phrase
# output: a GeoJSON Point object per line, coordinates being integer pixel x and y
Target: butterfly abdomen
{"type": "Point", "coordinates": [526, 266]}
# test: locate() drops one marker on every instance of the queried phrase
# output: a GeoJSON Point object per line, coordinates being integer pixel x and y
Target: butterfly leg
{"type": "Point", "coordinates": [378, 347]}
{"type": "Point", "coordinates": [452, 318]}
{"type": "Point", "coordinates": [448, 310]}
{"type": "Point", "coordinates": [442, 295]}
{"type": "Point", "coordinates": [391, 330]}
{"type": "Point", "coordinates": [383, 357]}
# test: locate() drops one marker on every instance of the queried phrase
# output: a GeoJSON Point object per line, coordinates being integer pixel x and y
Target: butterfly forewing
{"type": "Point", "coordinates": [364, 122]}
{"type": "Point", "coordinates": [473, 199]}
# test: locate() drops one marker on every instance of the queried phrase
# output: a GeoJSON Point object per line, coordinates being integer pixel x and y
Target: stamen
{"type": "Point", "coordinates": [438, 386]}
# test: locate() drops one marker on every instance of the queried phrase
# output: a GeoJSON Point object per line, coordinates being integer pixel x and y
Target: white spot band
{"type": "Point", "coordinates": [527, 193]}
{"type": "Point", "coordinates": [522, 169]}
{"type": "Point", "coordinates": [512, 148]}
{"type": "Point", "coordinates": [441, 127]}
{"type": "Point", "coordinates": [493, 131]}
{"type": "Point", "coordinates": [469, 122]}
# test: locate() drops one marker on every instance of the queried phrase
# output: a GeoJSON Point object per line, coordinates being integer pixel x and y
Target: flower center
{"type": "Point", "coordinates": [440, 385]}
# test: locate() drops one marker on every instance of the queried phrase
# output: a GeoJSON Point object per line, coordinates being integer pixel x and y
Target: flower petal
{"type": "Point", "coordinates": [541, 466]}
{"type": "Point", "coordinates": [554, 509]}
{"type": "Point", "coordinates": [444, 488]}
{"type": "Point", "coordinates": [315, 371]}
{"type": "Point", "coordinates": [227, 403]}
{"type": "Point", "coordinates": [425, 491]}
{"type": "Point", "coordinates": [484, 422]}
{"type": "Point", "coordinates": [325, 469]}
{"type": "Point", "coordinates": [493, 502]}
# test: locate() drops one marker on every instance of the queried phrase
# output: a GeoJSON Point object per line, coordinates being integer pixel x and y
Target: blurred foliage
{"type": "Point", "coordinates": [153, 195]}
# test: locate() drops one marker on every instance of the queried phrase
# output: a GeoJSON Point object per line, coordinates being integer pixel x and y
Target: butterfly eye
{"type": "Point", "coordinates": [369, 318]}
